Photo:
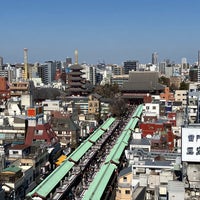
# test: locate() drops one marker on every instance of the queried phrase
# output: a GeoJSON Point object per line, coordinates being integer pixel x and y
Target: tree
{"type": "Point", "coordinates": [118, 107]}
{"type": "Point", "coordinates": [173, 87]}
{"type": "Point", "coordinates": [184, 86]}
{"type": "Point", "coordinates": [107, 90]}
{"type": "Point", "coordinates": [164, 81]}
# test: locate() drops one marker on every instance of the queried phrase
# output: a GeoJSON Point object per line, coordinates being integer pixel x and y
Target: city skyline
{"type": "Point", "coordinates": [107, 31]}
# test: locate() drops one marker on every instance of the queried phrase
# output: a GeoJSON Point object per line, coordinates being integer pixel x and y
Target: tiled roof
{"type": "Point", "coordinates": [11, 168]}
{"type": "Point", "coordinates": [142, 81]}
{"type": "Point", "coordinates": [97, 96]}
{"type": "Point", "coordinates": [68, 122]}
{"type": "Point", "coordinates": [76, 67]}
{"type": "Point", "coordinates": [106, 100]}
{"type": "Point", "coordinates": [143, 141]}
{"type": "Point", "coordinates": [125, 171]}
{"type": "Point", "coordinates": [20, 147]}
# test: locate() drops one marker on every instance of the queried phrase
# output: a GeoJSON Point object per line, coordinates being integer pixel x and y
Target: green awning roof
{"type": "Point", "coordinates": [80, 151]}
{"type": "Point", "coordinates": [47, 185]}
{"type": "Point", "coordinates": [96, 136]}
{"type": "Point", "coordinates": [107, 124]}
{"type": "Point", "coordinates": [100, 182]}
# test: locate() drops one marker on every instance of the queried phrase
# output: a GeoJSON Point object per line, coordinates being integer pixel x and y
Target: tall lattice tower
{"type": "Point", "coordinates": [25, 74]}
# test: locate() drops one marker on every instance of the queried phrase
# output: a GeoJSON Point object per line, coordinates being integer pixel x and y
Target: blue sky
{"type": "Point", "coordinates": [102, 30]}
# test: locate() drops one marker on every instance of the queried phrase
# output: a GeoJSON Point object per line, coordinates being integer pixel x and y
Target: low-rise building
{"type": "Point", "coordinates": [12, 182]}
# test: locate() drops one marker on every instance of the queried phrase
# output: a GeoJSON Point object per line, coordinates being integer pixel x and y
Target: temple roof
{"type": "Point", "coordinates": [142, 81]}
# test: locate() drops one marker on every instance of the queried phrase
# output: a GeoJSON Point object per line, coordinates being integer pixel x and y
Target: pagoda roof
{"type": "Point", "coordinates": [76, 89]}
{"type": "Point", "coordinates": [76, 67]}
{"type": "Point", "coordinates": [76, 84]}
{"type": "Point", "coordinates": [78, 78]}
{"type": "Point", "coordinates": [76, 73]}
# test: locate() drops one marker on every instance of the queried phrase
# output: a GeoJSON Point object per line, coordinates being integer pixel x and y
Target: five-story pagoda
{"type": "Point", "coordinates": [75, 80]}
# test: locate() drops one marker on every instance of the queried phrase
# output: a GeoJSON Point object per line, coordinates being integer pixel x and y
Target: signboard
{"type": "Point", "coordinates": [191, 144]}
{"type": "Point", "coordinates": [31, 112]}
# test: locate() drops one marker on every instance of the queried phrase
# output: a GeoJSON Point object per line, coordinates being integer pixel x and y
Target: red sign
{"type": "Point", "coordinates": [31, 112]}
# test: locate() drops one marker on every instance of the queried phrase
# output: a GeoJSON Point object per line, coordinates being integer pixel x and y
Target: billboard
{"type": "Point", "coordinates": [191, 144]}
{"type": "Point", "coordinates": [33, 113]}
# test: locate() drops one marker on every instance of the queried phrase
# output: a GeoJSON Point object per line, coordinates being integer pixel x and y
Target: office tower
{"type": "Point", "coordinates": [193, 73]}
{"type": "Point", "coordinates": [47, 72]}
{"type": "Point", "coordinates": [1, 61]}
{"type": "Point", "coordinates": [131, 65]}
{"type": "Point", "coordinates": [155, 58]}
{"type": "Point", "coordinates": [162, 66]}
{"type": "Point", "coordinates": [183, 66]}
{"type": "Point", "coordinates": [89, 73]}
{"type": "Point", "coordinates": [198, 76]}
{"type": "Point", "coordinates": [68, 61]}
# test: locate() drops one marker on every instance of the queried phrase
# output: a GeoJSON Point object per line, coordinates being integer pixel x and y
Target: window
{"type": "Point", "coordinates": [154, 107]}
{"type": "Point", "coordinates": [124, 179]}
{"type": "Point", "coordinates": [15, 152]}
{"type": "Point", "coordinates": [127, 191]}
{"type": "Point", "coordinates": [38, 132]}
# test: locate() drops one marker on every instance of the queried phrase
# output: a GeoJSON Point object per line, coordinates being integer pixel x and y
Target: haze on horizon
{"type": "Point", "coordinates": [110, 31]}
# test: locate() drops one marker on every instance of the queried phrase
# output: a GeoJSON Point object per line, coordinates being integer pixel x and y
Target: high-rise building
{"type": "Point", "coordinates": [89, 73]}
{"type": "Point", "coordinates": [131, 65]}
{"type": "Point", "coordinates": [47, 72]}
{"type": "Point", "coordinates": [155, 58]}
{"type": "Point", "coordinates": [1, 61]}
{"type": "Point", "coordinates": [193, 74]}
{"type": "Point", "coordinates": [184, 66]}
{"type": "Point", "coordinates": [162, 66]}
{"type": "Point", "coordinates": [198, 76]}
{"type": "Point", "coordinates": [68, 61]}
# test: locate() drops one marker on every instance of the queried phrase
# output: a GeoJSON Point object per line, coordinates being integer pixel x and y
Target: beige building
{"type": "Point", "coordinates": [124, 184]}
{"type": "Point", "coordinates": [181, 95]}
{"type": "Point", "coordinates": [94, 104]}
